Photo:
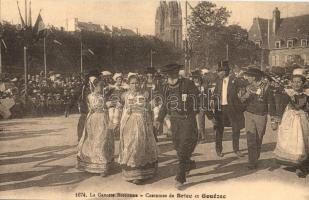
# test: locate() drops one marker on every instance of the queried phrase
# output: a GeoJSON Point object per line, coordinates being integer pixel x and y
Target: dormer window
{"type": "Point", "coordinates": [258, 43]}
{"type": "Point", "coordinates": [290, 43]}
{"type": "Point", "coordinates": [303, 42]}
{"type": "Point", "coordinates": [278, 44]}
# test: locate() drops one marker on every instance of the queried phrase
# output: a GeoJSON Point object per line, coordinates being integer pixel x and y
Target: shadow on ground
{"type": "Point", "coordinates": [210, 136]}
{"type": "Point", "coordinates": [14, 135]}
{"type": "Point", "coordinates": [44, 173]}
{"type": "Point", "coordinates": [220, 166]}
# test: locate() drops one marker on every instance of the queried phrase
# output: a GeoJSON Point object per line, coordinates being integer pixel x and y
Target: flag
{"type": "Point", "coordinates": [87, 52]}
{"type": "Point", "coordinates": [57, 42]}
{"type": "Point", "coordinates": [21, 18]}
{"type": "Point", "coordinates": [39, 27]}
{"type": "Point", "coordinates": [90, 51]}
{"type": "Point", "coordinates": [4, 44]}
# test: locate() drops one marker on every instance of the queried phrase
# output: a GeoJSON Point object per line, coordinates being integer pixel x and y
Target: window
{"type": "Point", "coordinates": [304, 57]}
{"type": "Point", "coordinates": [303, 42]}
{"type": "Point", "coordinates": [286, 58]}
{"type": "Point", "coordinates": [258, 43]}
{"type": "Point", "coordinates": [174, 37]}
{"type": "Point", "coordinates": [177, 38]}
{"type": "Point", "coordinates": [275, 60]}
{"type": "Point", "coordinates": [290, 43]}
{"type": "Point", "coordinates": [278, 44]}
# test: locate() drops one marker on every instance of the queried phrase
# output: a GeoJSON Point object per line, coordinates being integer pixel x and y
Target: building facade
{"type": "Point", "coordinates": [76, 25]}
{"type": "Point", "coordinates": [168, 23]}
{"type": "Point", "coordinates": [284, 39]}
{"type": "Point", "coordinates": [73, 25]}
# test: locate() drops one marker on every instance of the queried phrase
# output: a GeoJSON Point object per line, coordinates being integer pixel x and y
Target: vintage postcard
{"type": "Point", "coordinates": [175, 100]}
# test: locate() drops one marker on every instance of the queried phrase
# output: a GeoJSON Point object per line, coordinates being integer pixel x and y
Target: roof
{"type": "Point", "coordinates": [127, 32]}
{"type": "Point", "coordinates": [123, 31]}
{"type": "Point", "coordinates": [264, 25]}
{"type": "Point", "coordinates": [89, 27]}
{"type": "Point", "coordinates": [293, 27]}
{"type": "Point", "coordinates": [289, 28]}
{"type": "Point", "coordinates": [259, 30]}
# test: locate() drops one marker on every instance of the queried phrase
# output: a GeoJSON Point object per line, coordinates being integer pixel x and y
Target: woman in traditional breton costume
{"type": "Point", "coordinates": [292, 147]}
{"type": "Point", "coordinates": [96, 147]}
{"type": "Point", "coordinates": [115, 110]}
{"type": "Point", "coordinates": [138, 154]}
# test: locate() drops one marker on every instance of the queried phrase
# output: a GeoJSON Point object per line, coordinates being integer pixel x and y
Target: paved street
{"type": "Point", "coordinates": [38, 158]}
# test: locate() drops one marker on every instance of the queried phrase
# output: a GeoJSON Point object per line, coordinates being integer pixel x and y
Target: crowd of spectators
{"type": "Point", "coordinates": [55, 95]}
{"type": "Point", "coordinates": [58, 94]}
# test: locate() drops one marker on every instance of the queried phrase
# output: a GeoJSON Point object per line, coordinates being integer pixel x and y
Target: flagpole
{"type": "Point", "coordinates": [0, 11]}
{"type": "Point", "coordinates": [112, 48]}
{"type": "Point", "coordinates": [25, 71]}
{"type": "Point", "coordinates": [186, 39]}
{"type": "Point", "coordinates": [26, 18]}
{"type": "Point", "coordinates": [0, 56]}
{"type": "Point", "coordinates": [1, 39]}
{"type": "Point", "coordinates": [227, 52]}
{"type": "Point", "coordinates": [45, 65]}
{"type": "Point", "coordinates": [81, 57]}
{"type": "Point", "coordinates": [151, 58]}
{"type": "Point", "coordinates": [30, 15]}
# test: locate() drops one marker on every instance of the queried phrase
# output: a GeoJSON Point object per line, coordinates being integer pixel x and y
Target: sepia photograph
{"type": "Point", "coordinates": [150, 99]}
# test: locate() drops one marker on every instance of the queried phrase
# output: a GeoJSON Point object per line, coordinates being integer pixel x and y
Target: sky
{"type": "Point", "coordinates": [139, 14]}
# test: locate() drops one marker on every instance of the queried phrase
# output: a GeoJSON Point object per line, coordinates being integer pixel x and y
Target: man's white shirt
{"type": "Point", "coordinates": [224, 90]}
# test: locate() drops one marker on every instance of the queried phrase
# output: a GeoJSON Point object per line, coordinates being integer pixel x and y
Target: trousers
{"type": "Point", "coordinates": [200, 117]}
{"type": "Point", "coordinates": [222, 118]}
{"type": "Point", "coordinates": [255, 126]}
{"type": "Point", "coordinates": [184, 137]}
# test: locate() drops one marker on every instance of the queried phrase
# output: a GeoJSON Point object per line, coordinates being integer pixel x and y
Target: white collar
{"type": "Point", "coordinates": [226, 78]}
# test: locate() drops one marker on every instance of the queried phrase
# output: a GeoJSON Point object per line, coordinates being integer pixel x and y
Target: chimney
{"type": "Point", "coordinates": [276, 20]}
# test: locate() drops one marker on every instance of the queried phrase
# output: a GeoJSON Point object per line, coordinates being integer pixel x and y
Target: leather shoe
{"type": "Point", "coordinates": [178, 185]}
{"type": "Point", "coordinates": [220, 154]}
{"type": "Point", "coordinates": [252, 167]}
{"type": "Point", "coordinates": [137, 182]}
{"type": "Point", "coordinates": [300, 173]}
{"type": "Point", "coordinates": [239, 154]}
{"type": "Point", "coordinates": [104, 174]}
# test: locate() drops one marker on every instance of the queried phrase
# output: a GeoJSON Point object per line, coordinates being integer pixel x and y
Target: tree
{"type": "Point", "coordinates": [209, 37]}
{"type": "Point", "coordinates": [117, 52]}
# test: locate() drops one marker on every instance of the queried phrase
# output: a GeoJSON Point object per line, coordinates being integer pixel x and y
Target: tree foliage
{"type": "Point", "coordinates": [124, 53]}
{"type": "Point", "coordinates": [210, 37]}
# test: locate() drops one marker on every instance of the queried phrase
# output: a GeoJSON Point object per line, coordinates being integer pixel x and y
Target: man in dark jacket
{"type": "Point", "coordinates": [259, 101]}
{"type": "Point", "coordinates": [180, 101]}
{"type": "Point", "coordinates": [228, 108]}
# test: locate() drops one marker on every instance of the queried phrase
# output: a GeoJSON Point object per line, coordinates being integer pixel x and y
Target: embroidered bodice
{"type": "Point", "coordinates": [96, 103]}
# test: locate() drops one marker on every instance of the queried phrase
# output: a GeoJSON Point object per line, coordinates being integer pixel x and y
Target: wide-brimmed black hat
{"type": "Point", "coordinates": [196, 73]}
{"type": "Point", "coordinates": [92, 72]}
{"type": "Point", "coordinates": [223, 66]}
{"type": "Point", "coordinates": [254, 72]}
{"type": "Point", "coordinates": [171, 68]}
